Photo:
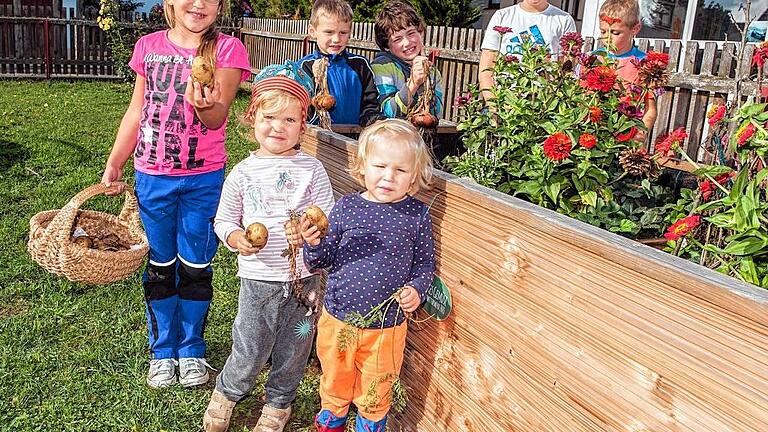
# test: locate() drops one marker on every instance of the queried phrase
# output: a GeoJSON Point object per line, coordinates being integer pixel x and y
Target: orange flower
{"type": "Point", "coordinates": [587, 140]}
{"type": "Point", "coordinates": [715, 114]}
{"type": "Point", "coordinates": [745, 134]}
{"type": "Point", "coordinates": [557, 146]}
{"type": "Point", "coordinates": [670, 142]}
{"type": "Point", "coordinates": [682, 227]}
{"type": "Point", "coordinates": [595, 114]}
{"type": "Point", "coordinates": [626, 136]}
{"type": "Point", "coordinates": [600, 78]}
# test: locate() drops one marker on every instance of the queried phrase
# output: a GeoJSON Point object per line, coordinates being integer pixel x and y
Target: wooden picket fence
{"type": "Point", "coordinates": [701, 72]}
{"type": "Point", "coordinates": [52, 47]}
{"type": "Point", "coordinates": [44, 47]}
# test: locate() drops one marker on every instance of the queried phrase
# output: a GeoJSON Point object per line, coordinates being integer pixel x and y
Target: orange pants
{"type": "Point", "coordinates": [348, 375]}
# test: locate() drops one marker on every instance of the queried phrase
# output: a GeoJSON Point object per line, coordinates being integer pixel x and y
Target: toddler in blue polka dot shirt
{"type": "Point", "coordinates": [379, 242]}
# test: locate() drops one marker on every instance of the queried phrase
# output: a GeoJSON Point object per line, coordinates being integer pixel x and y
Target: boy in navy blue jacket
{"type": "Point", "coordinates": [350, 78]}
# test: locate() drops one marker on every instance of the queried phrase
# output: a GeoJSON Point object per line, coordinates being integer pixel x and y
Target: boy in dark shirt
{"type": "Point", "coordinates": [350, 78]}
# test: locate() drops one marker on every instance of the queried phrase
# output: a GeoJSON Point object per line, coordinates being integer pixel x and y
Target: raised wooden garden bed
{"type": "Point", "coordinates": [558, 325]}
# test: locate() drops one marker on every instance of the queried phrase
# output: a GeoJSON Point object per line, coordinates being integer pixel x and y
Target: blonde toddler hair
{"type": "Point", "coordinates": [269, 102]}
{"type": "Point", "coordinates": [626, 10]}
{"type": "Point", "coordinates": [387, 131]}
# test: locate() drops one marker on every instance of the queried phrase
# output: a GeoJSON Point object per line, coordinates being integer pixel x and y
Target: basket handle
{"type": "Point", "coordinates": [61, 225]}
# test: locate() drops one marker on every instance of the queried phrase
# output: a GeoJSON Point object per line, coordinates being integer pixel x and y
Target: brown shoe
{"type": "Point", "coordinates": [272, 419]}
{"type": "Point", "coordinates": [218, 413]}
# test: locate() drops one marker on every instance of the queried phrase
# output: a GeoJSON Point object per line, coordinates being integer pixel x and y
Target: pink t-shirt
{"type": "Point", "coordinates": [172, 140]}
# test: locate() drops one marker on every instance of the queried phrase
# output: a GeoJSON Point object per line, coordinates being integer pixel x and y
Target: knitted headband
{"type": "Point", "coordinates": [287, 77]}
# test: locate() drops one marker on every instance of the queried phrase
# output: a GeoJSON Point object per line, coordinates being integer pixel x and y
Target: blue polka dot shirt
{"type": "Point", "coordinates": [372, 250]}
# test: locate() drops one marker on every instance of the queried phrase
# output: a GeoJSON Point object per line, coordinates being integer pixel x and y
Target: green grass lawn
{"type": "Point", "coordinates": [74, 357]}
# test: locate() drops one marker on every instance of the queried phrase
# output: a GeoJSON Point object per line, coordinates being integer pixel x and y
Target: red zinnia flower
{"type": "Point", "coordinates": [502, 29]}
{"type": "Point", "coordinates": [610, 20]}
{"type": "Point", "coordinates": [600, 78]}
{"type": "Point", "coordinates": [760, 55]}
{"type": "Point", "coordinates": [745, 134]}
{"type": "Point", "coordinates": [511, 58]}
{"type": "Point", "coordinates": [670, 142]}
{"type": "Point", "coordinates": [707, 188]}
{"type": "Point", "coordinates": [595, 114]}
{"type": "Point", "coordinates": [557, 146]}
{"type": "Point", "coordinates": [723, 178]}
{"type": "Point", "coordinates": [657, 57]}
{"type": "Point", "coordinates": [587, 140]}
{"type": "Point", "coordinates": [715, 114]}
{"type": "Point", "coordinates": [682, 227]}
{"type": "Point", "coordinates": [626, 136]}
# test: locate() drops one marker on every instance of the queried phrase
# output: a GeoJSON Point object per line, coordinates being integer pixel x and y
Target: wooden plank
{"type": "Point", "coordinates": [682, 97]}
{"type": "Point", "coordinates": [727, 57]}
{"type": "Point", "coordinates": [664, 104]}
{"type": "Point", "coordinates": [698, 105]}
{"type": "Point", "coordinates": [444, 127]}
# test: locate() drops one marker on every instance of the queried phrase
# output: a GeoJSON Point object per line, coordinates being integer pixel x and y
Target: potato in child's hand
{"type": "Point", "coordinates": [317, 218]}
{"type": "Point", "coordinates": [424, 120]}
{"type": "Point", "coordinates": [257, 234]}
{"type": "Point", "coordinates": [324, 101]}
{"type": "Point", "coordinates": [202, 71]}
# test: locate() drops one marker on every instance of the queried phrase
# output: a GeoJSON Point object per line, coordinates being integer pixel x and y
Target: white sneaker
{"type": "Point", "coordinates": [162, 373]}
{"type": "Point", "coordinates": [193, 371]}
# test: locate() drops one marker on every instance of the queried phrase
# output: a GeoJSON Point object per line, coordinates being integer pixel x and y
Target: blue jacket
{"type": "Point", "coordinates": [350, 81]}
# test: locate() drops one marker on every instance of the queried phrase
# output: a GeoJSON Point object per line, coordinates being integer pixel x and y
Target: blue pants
{"type": "Point", "coordinates": [325, 421]}
{"type": "Point", "coordinates": [177, 213]}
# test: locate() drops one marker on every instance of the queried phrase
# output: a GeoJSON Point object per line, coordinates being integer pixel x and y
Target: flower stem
{"type": "Point", "coordinates": [698, 167]}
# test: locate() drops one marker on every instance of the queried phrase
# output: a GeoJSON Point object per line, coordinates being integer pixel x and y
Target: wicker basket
{"type": "Point", "coordinates": [51, 245]}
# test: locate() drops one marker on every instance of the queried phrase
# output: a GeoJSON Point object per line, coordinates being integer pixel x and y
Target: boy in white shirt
{"type": "Point", "coordinates": [537, 19]}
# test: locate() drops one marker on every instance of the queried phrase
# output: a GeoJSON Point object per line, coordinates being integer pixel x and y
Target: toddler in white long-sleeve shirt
{"type": "Point", "coordinates": [271, 321]}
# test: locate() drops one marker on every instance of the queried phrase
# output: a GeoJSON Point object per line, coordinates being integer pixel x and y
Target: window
{"type": "Point", "coordinates": [713, 20]}
{"type": "Point", "coordinates": [663, 19]}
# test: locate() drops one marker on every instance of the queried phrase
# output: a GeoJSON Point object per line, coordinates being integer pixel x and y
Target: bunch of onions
{"type": "Point", "coordinates": [421, 114]}
{"type": "Point", "coordinates": [323, 100]}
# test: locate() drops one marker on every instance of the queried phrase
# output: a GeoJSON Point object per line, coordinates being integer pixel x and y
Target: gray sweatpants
{"type": "Point", "coordinates": [270, 321]}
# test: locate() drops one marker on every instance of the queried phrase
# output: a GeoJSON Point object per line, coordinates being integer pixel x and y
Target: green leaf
{"type": "Point", "coordinates": [750, 110]}
{"type": "Point", "coordinates": [745, 246]}
{"type": "Point", "coordinates": [760, 177]}
{"type": "Point", "coordinates": [589, 197]}
{"type": "Point", "coordinates": [712, 205]}
{"type": "Point", "coordinates": [748, 271]}
{"type": "Point", "coordinates": [722, 220]}
{"type": "Point", "coordinates": [577, 183]}
{"type": "Point", "coordinates": [627, 226]}
{"type": "Point", "coordinates": [549, 127]}
{"type": "Point", "coordinates": [738, 185]}
{"type": "Point", "coordinates": [531, 188]}
{"type": "Point", "coordinates": [713, 249]}
{"type": "Point", "coordinates": [713, 170]}
{"type": "Point", "coordinates": [746, 217]}
{"type": "Point", "coordinates": [553, 189]}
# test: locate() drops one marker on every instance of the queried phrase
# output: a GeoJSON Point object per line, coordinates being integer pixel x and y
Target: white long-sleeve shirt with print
{"type": "Point", "coordinates": [263, 189]}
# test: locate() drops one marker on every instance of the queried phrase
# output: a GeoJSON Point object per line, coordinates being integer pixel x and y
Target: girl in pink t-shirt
{"type": "Point", "coordinates": [175, 129]}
